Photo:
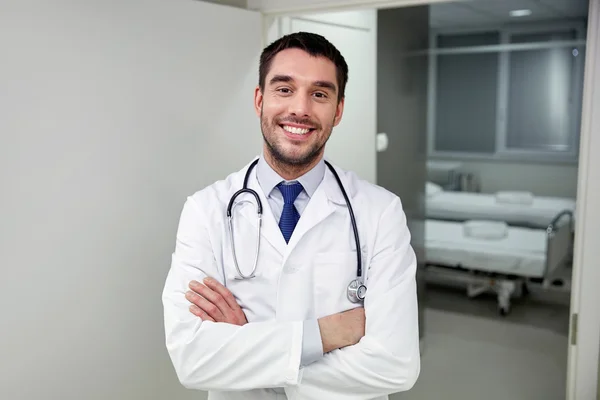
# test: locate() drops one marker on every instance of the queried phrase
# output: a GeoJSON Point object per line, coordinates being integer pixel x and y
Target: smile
{"type": "Point", "coordinates": [296, 130]}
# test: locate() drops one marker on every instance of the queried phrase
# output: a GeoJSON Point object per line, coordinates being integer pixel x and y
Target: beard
{"type": "Point", "coordinates": [277, 150]}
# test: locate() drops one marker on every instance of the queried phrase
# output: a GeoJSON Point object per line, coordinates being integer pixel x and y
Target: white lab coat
{"type": "Point", "coordinates": [304, 279]}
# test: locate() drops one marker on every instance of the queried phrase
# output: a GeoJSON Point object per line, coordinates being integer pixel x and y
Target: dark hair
{"type": "Point", "coordinates": [313, 44]}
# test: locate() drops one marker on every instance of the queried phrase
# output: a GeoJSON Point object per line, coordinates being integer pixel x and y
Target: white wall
{"type": "Point", "coordinates": [111, 113]}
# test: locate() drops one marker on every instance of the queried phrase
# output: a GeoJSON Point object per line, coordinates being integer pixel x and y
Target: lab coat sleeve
{"type": "Point", "coordinates": [387, 359]}
{"type": "Point", "coordinates": [220, 356]}
{"type": "Point", "coordinates": [312, 343]}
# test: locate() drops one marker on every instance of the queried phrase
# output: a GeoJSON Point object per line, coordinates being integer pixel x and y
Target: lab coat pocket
{"type": "Point", "coordinates": [333, 272]}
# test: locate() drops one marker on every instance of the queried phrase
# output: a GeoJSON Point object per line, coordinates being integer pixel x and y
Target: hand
{"type": "Point", "coordinates": [342, 329]}
{"type": "Point", "coordinates": [213, 302]}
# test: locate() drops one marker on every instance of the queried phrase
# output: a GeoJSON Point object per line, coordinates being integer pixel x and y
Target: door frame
{"type": "Point", "coordinates": [583, 369]}
{"type": "Point", "coordinates": [584, 332]}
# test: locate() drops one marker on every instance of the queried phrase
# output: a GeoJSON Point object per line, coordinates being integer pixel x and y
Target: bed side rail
{"type": "Point", "coordinates": [559, 242]}
{"type": "Point", "coordinates": [555, 224]}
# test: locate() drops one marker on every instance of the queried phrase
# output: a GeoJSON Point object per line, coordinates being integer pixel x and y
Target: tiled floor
{"type": "Point", "coordinates": [471, 353]}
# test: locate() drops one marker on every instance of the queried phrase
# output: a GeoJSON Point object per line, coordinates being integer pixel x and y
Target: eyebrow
{"type": "Point", "coordinates": [286, 78]}
{"type": "Point", "coordinates": [326, 85]}
{"type": "Point", "coordinates": [280, 78]}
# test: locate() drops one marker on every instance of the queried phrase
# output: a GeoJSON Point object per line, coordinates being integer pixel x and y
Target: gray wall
{"type": "Point", "coordinates": [112, 112]}
{"type": "Point", "coordinates": [402, 114]}
{"type": "Point", "coordinates": [542, 179]}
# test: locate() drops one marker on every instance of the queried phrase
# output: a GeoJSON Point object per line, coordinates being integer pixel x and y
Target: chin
{"type": "Point", "coordinates": [296, 158]}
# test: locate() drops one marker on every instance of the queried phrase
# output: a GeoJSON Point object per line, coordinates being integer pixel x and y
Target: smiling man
{"type": "Point", "coordinates": [325, 306]}
{"type": "Point", "coordinates": [299, 103]}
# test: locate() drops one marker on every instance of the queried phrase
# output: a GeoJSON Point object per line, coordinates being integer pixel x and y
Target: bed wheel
{"type": "Point", "coordinates": [503, 311]}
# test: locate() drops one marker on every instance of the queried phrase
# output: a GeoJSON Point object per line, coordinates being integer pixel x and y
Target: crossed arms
{"type": "Point", "coordinates": [368, 352]}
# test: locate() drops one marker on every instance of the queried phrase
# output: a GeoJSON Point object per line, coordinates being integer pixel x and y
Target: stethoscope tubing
{"type": "Point", "coordinates": [259, 210]}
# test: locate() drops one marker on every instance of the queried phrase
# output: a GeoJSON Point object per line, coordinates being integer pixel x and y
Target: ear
{"type": "Point", "coordinates": [338, 112]}
{"type": "Point", "coordinates": [258, 100]}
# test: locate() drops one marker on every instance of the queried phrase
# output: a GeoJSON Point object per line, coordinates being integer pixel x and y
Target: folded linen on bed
{"type": "Point", "coordinates": [482, 229]}
{"type": "Point", "coordinates": [514, 197]}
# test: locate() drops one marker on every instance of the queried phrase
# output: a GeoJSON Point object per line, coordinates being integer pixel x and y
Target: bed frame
{"type": "Point", "coordinates": [559, 248]}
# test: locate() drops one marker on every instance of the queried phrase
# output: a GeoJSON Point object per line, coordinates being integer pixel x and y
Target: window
{"type": "Point", "coordinates": [540, 95]}
{"type": "Point", "coordinates": [504, 93]}
{"type": "Point", "coordinates": [466, 95]}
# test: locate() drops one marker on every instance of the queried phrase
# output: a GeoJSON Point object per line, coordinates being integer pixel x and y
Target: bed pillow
{"type": "Point", "coordinates": [515, 197]}
{"type": "Point", "coordinates": [432, 189]}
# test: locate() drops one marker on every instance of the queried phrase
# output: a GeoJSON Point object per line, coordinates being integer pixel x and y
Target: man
{"type": "Point", "coordinates": [291, 331]}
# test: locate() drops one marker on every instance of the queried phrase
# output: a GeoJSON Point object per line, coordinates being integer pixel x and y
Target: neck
{"type": "Point", "coordinates": [289, 172]}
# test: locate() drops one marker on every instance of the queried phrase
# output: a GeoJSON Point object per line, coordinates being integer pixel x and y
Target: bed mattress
{"type": "Point", "coordinates": [521, 252]}
{"type": "Point", "coordinates": [461, 206]}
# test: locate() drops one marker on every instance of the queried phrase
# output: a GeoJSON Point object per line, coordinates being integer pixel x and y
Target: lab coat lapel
{"type": "Point", "coordinates": [269, 227]}
{"type": "Point", "coordinates": [321, 205]}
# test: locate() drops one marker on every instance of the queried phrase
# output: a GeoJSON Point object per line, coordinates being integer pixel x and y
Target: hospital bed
{"type": "Point", "coordinates": [514, 208]}
{"type": "Point", "coordinates": [493, 256]}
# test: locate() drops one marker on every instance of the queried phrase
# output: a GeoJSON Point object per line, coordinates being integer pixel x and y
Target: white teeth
{"type": "Point", "coordinates": [296, 131]}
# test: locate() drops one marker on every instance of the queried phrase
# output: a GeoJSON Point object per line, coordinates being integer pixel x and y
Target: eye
{"type": "Point", "coordinates": [284, 90]}
{"type": "Point", "coordinates": [321, 95]}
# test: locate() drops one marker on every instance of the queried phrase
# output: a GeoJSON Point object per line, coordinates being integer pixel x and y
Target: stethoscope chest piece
{"type": "Point", "coordinates": [357, 291]}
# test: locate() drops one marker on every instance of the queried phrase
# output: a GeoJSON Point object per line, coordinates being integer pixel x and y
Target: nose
{"type": "Point", "coordinates": [300, 105]}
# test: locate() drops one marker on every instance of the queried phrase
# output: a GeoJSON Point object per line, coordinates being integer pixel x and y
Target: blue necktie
{"type": "Point", "coordinates": [289, 215]}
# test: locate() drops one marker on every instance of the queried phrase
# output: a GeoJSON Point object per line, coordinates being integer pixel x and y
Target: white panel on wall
{"type": "Point", "coordinates": [365, 20]}
{"type": "Point", "coordinates": [352, 144]}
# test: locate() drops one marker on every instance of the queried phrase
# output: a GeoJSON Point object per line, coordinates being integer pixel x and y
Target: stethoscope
{"type": "Point", "coordinates": [356, 289]}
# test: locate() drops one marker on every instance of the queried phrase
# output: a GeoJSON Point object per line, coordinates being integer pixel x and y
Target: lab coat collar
{"type": "Point", "coordinates": [269, 178]}
{"type": "Point", "coordinates": [326, 198]}
{"type": "Point", "coordinates": [317, 210]}
{"type": "Point", "coordinates": [333, 191]}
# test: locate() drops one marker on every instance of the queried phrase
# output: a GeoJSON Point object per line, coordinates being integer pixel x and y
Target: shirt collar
{"type": "Point", "coordinates": [269, 179]}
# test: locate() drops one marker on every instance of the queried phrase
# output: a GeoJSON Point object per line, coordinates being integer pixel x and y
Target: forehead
{"type": "Point", "coordinates": [302, 67]}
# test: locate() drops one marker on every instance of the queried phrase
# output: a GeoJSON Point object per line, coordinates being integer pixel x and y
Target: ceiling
{"type": "Point", "coordinates": [465, 13]}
